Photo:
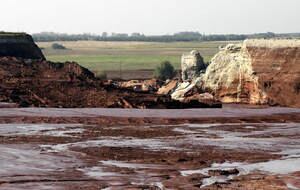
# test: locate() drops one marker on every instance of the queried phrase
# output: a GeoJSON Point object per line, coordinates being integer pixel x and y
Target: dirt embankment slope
{"type": "Point", "coordinates": [45, 84]}
{"type": "Point", "coordinates": [278, 71]}
{"type": "Point", "coordinates": [19, 45]}
{"type": "Point", "coordinates": [257, 72]}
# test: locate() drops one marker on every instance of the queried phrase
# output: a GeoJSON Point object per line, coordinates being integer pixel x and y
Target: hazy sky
{"type": "Point", "coordinates": [150, 16]}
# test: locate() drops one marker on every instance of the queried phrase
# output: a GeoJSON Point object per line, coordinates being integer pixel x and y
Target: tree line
{"type": "Point", "coordinates": [177, 37]}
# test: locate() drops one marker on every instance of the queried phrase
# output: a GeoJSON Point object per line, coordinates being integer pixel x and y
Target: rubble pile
{"type": "Point", "coordinates": [254, 72]}
{"type": "Point", "coordinates": [151, 85]}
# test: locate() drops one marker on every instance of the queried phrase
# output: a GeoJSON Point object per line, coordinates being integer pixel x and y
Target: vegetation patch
{"type": "Point", "coordinates": [58, 46]}
{"type": "Point", "coordinates": [164, 71]}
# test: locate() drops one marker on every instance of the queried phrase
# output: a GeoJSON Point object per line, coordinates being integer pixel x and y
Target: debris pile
{"type": "Point", "coordinates": [38, 83]}
{"type": "Point", "coordinates": [254, 72]}
{"type": "Point", "coordinates": [151, 85]}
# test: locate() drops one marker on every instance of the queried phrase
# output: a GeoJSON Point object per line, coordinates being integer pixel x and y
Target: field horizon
{"type": "Point", "coordinates": [100, 56]}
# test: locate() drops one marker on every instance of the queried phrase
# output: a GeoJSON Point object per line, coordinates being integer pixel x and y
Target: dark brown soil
{"type": "Point", "coordinates": [34, 83]}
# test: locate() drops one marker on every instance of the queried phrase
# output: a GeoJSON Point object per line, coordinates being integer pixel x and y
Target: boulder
{"type": "Point", "coordinates": [192, 65]}
{"type": "Point", "coordinates": [181, 90]}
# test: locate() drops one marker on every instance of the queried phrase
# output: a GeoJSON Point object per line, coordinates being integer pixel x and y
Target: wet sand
{"type": "Point", "coordinates": [242, 148]}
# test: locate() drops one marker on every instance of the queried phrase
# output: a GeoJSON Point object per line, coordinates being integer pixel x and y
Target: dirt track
{"type": "Point", "coordinates": [93, 149]}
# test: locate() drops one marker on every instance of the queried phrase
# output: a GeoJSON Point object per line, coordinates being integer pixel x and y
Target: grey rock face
{"type": "Point", "coordinates": [192, 65]}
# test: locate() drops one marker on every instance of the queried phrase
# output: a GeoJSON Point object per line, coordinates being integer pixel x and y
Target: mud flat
{"type": "Point", "coordinates": [229, 148]}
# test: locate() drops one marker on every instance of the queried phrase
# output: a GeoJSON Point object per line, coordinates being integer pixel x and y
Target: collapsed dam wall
{"type": "Point", "coordinates": [19, 45]}
{"type": "Point", "coordinates": [256, 72]}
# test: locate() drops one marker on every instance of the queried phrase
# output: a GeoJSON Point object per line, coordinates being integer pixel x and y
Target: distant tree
{"type": "Point", "coordinates": [177, 37]}
{"type": "Point", "coordinates": [164, 71]}
{"type": "Point", "coordinates": [58, 46]}
{"type": "Point", "coordinates": [104, 35]}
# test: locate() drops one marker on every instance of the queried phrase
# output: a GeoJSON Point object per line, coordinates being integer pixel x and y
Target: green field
{"type": "Point", "coordinates": [111, 56]}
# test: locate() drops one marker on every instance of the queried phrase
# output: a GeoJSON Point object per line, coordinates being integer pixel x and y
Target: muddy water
{"type": "Point", "coordinates": [187, 156]}
{"type": "Point", "coordinates": [227, 111]}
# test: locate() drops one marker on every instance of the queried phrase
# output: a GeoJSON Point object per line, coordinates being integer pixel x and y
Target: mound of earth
{"type": "Point", "coordinates": [256, 72]}
{"type": "Point", "coordinates": [40, 83]}
{"type": "Point", "coordinates": [19, 45]}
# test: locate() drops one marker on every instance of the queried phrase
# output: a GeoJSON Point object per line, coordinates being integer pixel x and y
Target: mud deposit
{"type": "Point", "coordinates": [259, 151]}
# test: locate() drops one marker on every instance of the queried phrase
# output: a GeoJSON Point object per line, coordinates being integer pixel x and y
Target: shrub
{"type": "Point", "coordinates": [58, 46]}
{"type": "Point", "coordinates": [164, 71]}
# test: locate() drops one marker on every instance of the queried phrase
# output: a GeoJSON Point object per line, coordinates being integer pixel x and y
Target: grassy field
{"type": "Point", "coordinates": [113, 56]}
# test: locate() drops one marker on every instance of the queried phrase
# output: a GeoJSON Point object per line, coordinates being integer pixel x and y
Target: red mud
{"type": "Point", "coordinates": [35, 83]}
{"type": "Point", "coordinates": [149, 151]}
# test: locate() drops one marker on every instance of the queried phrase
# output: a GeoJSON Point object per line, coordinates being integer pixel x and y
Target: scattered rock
{"type": "Point", "coordinates": [181, 90]}
{"type": "Point", "coordinates": [151, 85]}
{"type": "Point", "coordinates": [168, 88]}
{"type": "Point", "coordinates": [228, 172]}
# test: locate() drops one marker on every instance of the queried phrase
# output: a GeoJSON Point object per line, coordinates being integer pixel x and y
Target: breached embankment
{"type": "Point", "coordinates": [38, 83]}
{"type": "Point", "coordinates": [256, 72]}
{"type": "Point", "coordinates": [28, 80]}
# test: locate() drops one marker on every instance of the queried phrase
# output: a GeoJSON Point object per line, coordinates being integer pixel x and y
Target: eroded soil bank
{"type": "Point", "coordinates": [231, 148]}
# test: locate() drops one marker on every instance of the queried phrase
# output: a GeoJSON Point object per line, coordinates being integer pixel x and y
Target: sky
{"type": "Point", "coordinates": [151, 17]}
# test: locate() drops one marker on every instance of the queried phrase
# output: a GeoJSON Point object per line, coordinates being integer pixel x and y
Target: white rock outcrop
{"type": "Point", "coordinates": [192, 65]}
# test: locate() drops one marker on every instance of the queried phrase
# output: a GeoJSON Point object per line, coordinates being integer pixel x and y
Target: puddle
{"type": "Point", "coordinates": [33, 186]}
{"type": "Point", "coordinates": [150, 144]}
{"type": "Point", "coordinates": [25, 160]}
{"type": "Point", "coordinates": [283, 145]}
{"type": "Point", "coordinates": [98, 172]}
{"type": "Point", "coordinates": [64, 133]}
{"type": "Point", "coordinates": [292, 187]}
{"type": "Point", "coordinates": [247, 140]}
{"type": "Point", "coordinates": [250, 127]}
{"type": "Point", "coordinates": [130, 165]}
{"type": "Point", "coordinates": [62, 130]}
{"type": "Point", "coordinates": [184, 131]}
{"type": "Point", "coordinates": [273, 167]}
